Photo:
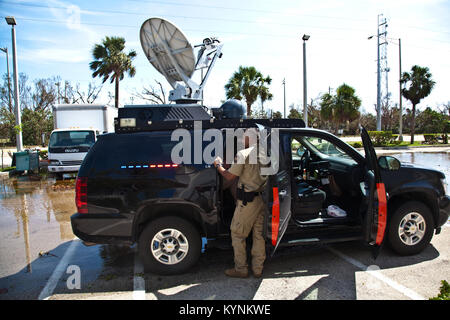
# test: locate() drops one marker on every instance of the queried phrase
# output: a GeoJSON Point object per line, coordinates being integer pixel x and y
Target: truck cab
{"type": "Point", "coordinates": [76, 129]}
{"type": "Point", "coordinates": [68, 147]}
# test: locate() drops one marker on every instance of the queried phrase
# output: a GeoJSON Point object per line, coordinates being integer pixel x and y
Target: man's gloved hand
{"type": "Point", "coordinates": [218, 162]}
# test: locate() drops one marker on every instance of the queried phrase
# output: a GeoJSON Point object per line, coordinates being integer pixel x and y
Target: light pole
{"type": "Point", "coordinates": [400, 125]}
{"type": "Point", "coordinates": [12, 22]}
{"type": "Point", "coordinates": [305, 106]}
{"type": "Point", "coordinates": [284, 96]}
{"type": "Point", "coordinates": [5, 50]}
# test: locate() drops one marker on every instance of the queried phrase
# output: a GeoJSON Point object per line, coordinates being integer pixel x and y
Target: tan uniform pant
{"type": "Point", "coordinates": [247, 218]}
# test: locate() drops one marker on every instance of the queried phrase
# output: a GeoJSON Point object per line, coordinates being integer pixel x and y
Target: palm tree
{"type": "Point", "coordinates": [248, 83]}
{"type": "Point", "coordinates": [111, 61]}
{"type": "Point", "coordinates": [341, 107]}
{"type": "Point", "coordinates": [418, 85]}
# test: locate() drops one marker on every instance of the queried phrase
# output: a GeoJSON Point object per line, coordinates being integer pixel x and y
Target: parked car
{"type": "Point", "coordinates": [128, 190]}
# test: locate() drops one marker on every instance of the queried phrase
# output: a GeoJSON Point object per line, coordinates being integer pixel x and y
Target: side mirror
{"type": "Point", "coordinates": [389, 163]}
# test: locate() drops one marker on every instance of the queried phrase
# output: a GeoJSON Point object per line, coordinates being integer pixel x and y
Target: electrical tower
{"type": "Point", "coordinates": [382, 68]}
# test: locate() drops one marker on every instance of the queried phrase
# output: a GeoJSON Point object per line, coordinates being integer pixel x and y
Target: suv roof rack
{"type": "Point", "coordinates": [164, 118]}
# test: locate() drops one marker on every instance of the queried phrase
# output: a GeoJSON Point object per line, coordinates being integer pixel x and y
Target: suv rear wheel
{"type": "Point", "coordinates": [411, 228]}
{"type": "Point", "coordinates": [169, 245]}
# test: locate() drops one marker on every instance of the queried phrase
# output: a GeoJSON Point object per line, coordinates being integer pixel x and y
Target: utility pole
{"type": "Point", "coordinates": [381, 66]}
{"type": "Point", "coordinates": [284, 94]}
{"type": "Point", "coordinates": [400, 127]}
{"type": "Point", "coordinates": [59, 96]}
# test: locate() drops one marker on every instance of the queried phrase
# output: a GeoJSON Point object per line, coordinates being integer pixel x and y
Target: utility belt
{"type": "Point", "coordinates": [245, 196]}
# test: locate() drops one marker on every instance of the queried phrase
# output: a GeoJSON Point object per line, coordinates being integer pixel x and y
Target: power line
{"type": "Point", "coordinates": [202, 18]}
{"type": "Point", "coordinates": [218, 8]}
{"type": "Point", "coordinates": [294, 35]}
{"type": "Point", "coordinates": [290, 36]}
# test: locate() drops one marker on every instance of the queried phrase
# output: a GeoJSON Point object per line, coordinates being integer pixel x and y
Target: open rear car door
{"type": "Point", "coordinates": [374, 221]}
{"type": "Point", "coordinates": [277, 194]}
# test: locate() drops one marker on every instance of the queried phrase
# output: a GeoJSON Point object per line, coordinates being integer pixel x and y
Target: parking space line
{"type": "Point", "coordinates": [138, 280]}
{"type": "Point", "coordinates": [377, 274]}
{"type": "Point", "coordinates": [59, 270]}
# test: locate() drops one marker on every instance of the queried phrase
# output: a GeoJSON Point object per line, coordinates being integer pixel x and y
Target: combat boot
{"type": "Point", "coordinates": [236, 274]}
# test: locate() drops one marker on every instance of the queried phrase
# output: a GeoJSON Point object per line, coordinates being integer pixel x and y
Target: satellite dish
{"type": "Point", "coordinates": [172, 55]}
{"type": "Point", "coordinates": [158, 35]}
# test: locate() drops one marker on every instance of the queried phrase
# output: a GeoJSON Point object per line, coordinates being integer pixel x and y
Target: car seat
{"type": "Point", "coordinates": [308, 201]}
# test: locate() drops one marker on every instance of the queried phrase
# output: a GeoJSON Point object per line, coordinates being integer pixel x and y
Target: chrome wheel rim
{"type": "Point", "coordinates": [169, 246]}
{"type": "Point", "coordinates": [412, 228]}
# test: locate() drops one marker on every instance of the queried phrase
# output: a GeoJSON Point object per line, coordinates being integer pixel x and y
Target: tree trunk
{"type": "Point", "coordinates": [116, 96]}
{"type": "Point", "coordinates": [249, 109]}
{"type": "Point", "coordinates": [413, 123]}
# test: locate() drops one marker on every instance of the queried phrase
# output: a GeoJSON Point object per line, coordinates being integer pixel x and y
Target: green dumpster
{"type": "Point", "coordinates": [26, 160]}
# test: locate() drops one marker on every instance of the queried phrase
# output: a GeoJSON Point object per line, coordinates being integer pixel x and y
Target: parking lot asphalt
{"type": "Point", "coordinates": [343, 271]}
{"type": "Point", "coordinates": [40, 258]}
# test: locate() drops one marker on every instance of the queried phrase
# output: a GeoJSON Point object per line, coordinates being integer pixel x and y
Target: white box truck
{"type": "Point", "coordinates": [76, 127]}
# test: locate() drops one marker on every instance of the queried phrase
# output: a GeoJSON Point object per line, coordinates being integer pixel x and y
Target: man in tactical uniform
{"type": "Point", "coordinates": [249, 213]}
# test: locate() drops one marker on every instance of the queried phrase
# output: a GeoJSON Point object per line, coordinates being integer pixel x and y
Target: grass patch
{"type": "Point", "coordinates": [444, 293]}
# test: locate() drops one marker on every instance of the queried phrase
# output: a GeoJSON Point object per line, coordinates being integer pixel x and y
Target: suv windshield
{"type": "Point", "coordinates": [327, 148]}
{"type": "Point", "coordinates": [72, 138]}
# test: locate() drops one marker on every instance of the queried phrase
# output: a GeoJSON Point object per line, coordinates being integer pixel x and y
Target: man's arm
{"type": "Point", "coordinates": [225, 174]}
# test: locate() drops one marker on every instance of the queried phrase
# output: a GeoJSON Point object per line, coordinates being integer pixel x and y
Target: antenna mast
{"type": "Point", "coordinates": [382, 68]}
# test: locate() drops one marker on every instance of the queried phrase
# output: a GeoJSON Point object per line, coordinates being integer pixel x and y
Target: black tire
{"type": "Point", "coordinates": [171, 255]}
{"type": "Point", "coordinates": [416, 236]}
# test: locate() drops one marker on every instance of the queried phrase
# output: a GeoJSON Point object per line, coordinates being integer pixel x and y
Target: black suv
{"type": "Point", "coordinates": [128, 190]}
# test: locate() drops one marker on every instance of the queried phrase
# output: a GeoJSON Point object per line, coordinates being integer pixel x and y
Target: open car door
{"type": "Point", "coordinates": [277, 194]}
{"type": "Point", "coordinates": [374, 221]}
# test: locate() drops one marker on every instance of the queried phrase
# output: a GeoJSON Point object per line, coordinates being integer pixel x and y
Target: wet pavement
{"type": "Point", "coordinates": [37, 246]}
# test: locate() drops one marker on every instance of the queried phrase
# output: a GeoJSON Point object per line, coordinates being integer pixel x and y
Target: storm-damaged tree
{"type": "Point", "coordinates": [111, 61]}
{"type": "Point", "coordinates": [152, 94]}
{"type": "Point", "coordinates": [417, 85]}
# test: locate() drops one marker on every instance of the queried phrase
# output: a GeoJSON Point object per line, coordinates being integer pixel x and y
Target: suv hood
{"type": "Point", "coordinates": [417, 167]}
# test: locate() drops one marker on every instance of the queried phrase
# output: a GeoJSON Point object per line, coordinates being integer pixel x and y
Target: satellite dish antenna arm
{"type": "Point", "coordinates": [218, 54]}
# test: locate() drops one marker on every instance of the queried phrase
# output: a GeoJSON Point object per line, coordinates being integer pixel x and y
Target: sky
{"type": "Point", "coordinates": [56, 37]}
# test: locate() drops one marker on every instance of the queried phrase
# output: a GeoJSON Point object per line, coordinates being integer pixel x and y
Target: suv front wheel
{"type": "Point", "coordinates": [169, 245]}
{"type": "Point", "coordinates": [411, 228]}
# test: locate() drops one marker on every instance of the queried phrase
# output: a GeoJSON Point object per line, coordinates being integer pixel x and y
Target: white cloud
{"type": "Point", "coordinates": [52, 55]}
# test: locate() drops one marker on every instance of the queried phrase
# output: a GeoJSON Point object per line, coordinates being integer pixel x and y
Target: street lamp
{"type": "Point", "coordinates": [12, 22]}
{"type": "Point", "coordinates": [400, 129]}
{"type": "Point", "coordinates": [5, 50]}
{"type": "Point", "coordinates": [284, 95]}
{"type": "Point", "coordinates": [305, 106]}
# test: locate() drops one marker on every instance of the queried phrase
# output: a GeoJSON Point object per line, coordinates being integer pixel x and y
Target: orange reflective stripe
{"type": "Point", "coordinates": [275, 216]}
{"type": "Point", "coordinates": [382, 212]}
